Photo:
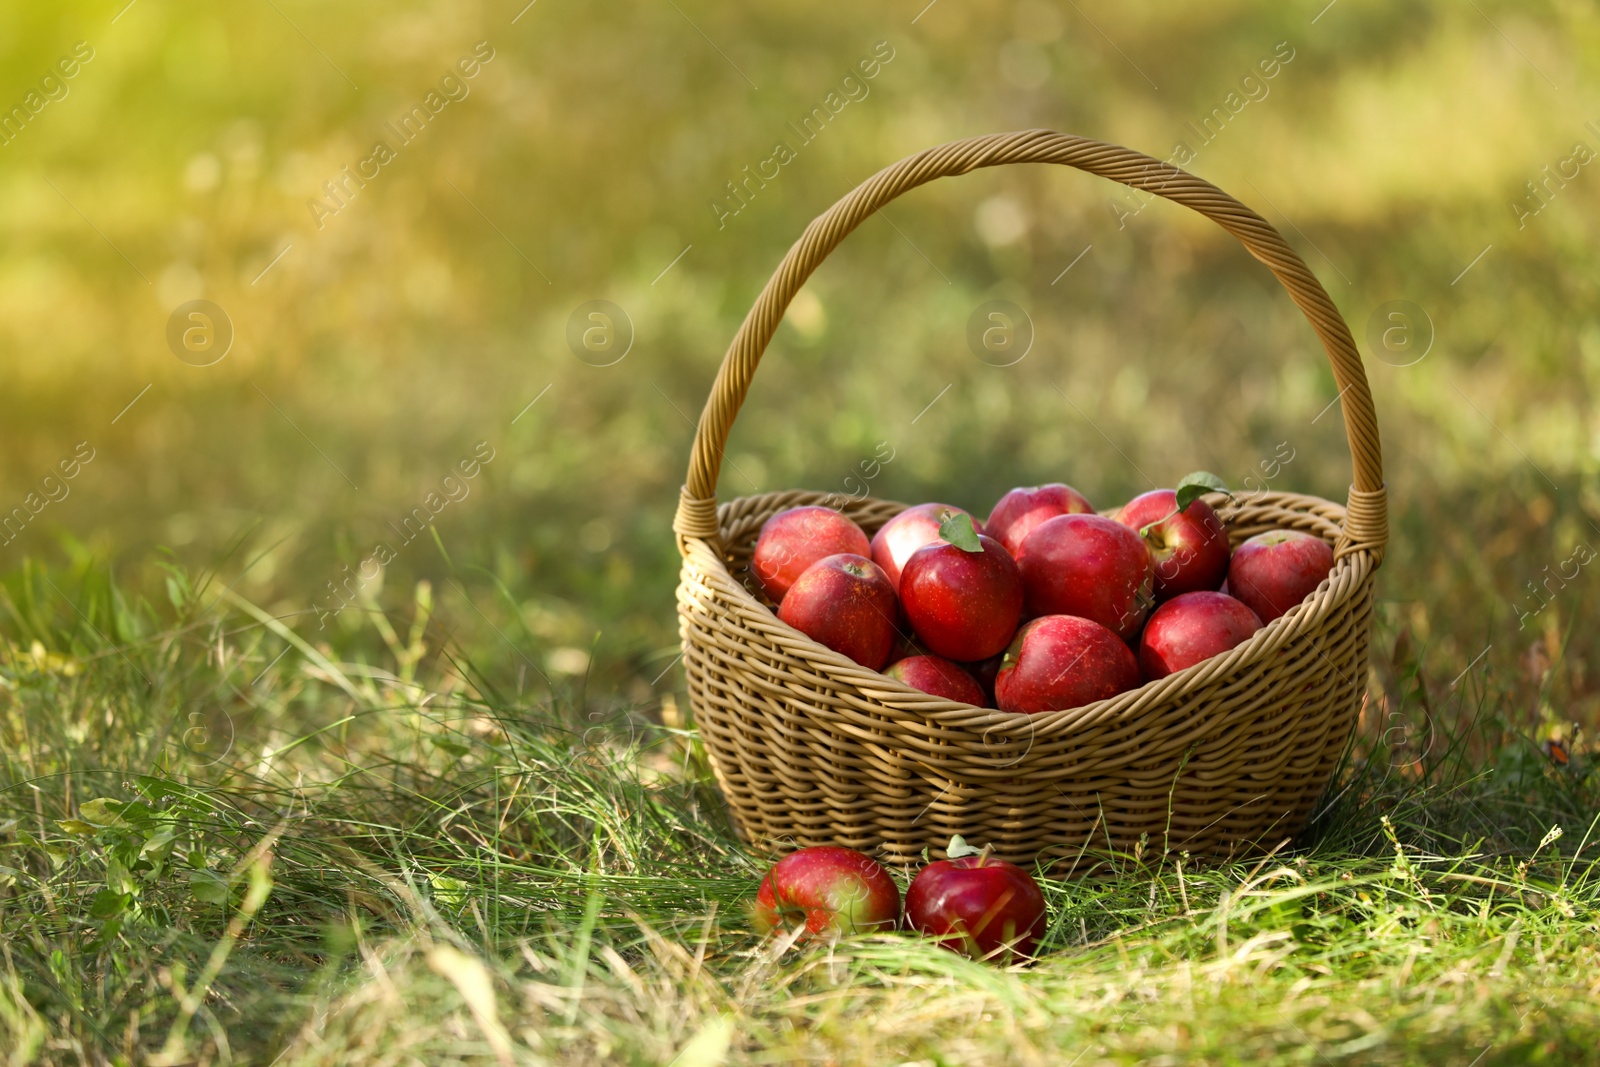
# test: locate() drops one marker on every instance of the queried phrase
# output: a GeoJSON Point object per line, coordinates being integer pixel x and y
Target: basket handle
{"type": "Point", "coordinates": [1366, 521]}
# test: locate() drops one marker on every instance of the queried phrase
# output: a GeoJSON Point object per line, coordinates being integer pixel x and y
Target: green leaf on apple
{"type": "Point", "coordinates": [959, 531]}
{"type": "Point", "coordinates": [959, 847]}
{"type": "Point", "coordinates": [1196, 485]}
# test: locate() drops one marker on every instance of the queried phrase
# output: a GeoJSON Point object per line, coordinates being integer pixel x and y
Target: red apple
{"type": "Point", "coordinates": [936, 675]}
{"type": "Point", "coordinates": [1020, 510]}
{"type": "Point", "coordinates": [1274, 571]}
{"type": "Point", "coordinates": [1192, 627]}
{"type": "Point", "coordinates": [1189, 547]}
{"type": "Point", "coordinates": [963, 605]}
{"type": "Point", "coordinates": [846, 603]}
{"type": "Point", "coordinates": [985, 671]}
{"type": "Point", "coordinates": [1089, 566]}
{"type": "Point", "coordinates": [905, 645]}
{"type": "Point", "coordinates": [832, 889]}
{"type": "Point", "coordinates": [1063, 661]}
{"type": "Point", "coordinates": [794, 539]}
{"type": "Point", "coordinates": [908, 531]}
{"type": "Point", "coordinates": [979, 906]}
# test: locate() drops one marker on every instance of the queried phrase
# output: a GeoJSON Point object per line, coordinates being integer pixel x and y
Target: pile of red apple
{"type": "Point", "coordinates": [972, 903]}
{"type": "Point", "coordinates": [1045, 605]}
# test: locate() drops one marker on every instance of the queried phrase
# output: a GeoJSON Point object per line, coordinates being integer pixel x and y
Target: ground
{"type": "Point", "coordinates": [446, 872]}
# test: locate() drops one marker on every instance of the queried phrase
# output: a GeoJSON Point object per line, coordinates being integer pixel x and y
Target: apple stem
{"type": "Point", "coordinates": [1145, 530]}
{"type": "Point", "coordinates": [983, 857]}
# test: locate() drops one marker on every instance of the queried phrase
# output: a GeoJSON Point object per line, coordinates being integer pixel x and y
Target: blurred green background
{"type": "Point", "coordinates": [375, 346]}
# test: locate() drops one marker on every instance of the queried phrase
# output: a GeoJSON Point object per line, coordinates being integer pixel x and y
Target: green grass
{"type": "Point", "coordinates": [372, 861]}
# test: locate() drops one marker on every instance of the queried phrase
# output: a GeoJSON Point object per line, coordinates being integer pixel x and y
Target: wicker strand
{"type": "Point", "coordinates": [696, 517]}
{"type": "Point", "coordinates": [1366, 524]}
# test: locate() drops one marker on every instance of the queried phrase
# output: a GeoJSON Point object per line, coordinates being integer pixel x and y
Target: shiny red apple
{"type": "Point", "coordinates": [962, 605]}
{"type": "Point", "coordinates": [830, 890]}
{"type": "Point", "coordinates": [1020, 510]}
{"type": "Point", "coordinates": [1189, 547]}
{"type": "Point", "coordinates": [1274, 571]}
{"type": "Point", "coordinates": [1063, 661]}
{"type": "Point", "coordinates": [846, 603]}
{"type": "Point", "coordinates": [937, 675]}
{"type": "Point", "coordinates": [794, 539]}
{"type": "Point", "coordinates": [979, 906]}
{"type": "Point", "coordinates": [1192, 627]}
{"type": "Point", "coordinates": [908, 531]}
{"type": "Point", "coordinates": [1089, 566]}
{"type": "Point", "coordinates": [985, 672]}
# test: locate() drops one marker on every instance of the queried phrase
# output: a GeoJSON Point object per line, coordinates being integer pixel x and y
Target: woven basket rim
{"type": "Point", "coordinates": [895, 699]}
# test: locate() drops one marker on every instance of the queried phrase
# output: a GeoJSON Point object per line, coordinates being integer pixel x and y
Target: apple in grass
{"type": "Point", "coordinates": [1020, 510]}
{"type": "Point", "coordinates": [937, 675]}
{"type": "Point", "coordinates": [1188, 545]}
{"type": "Point", "coordinates": [977, 905]}
{"type": "Point", "coordinates": [845, 602]}
{"type": "Point", "coordinates": [1192, 627]}
{"type": "Point", "coordinates": [795, 538]}
{"type": "Point", "coordinates": [1273, 571]}
{"type": "Point", "coordinates": [1063, 661]}
{"type": "Point", "coordinates": [830, 890]}
{"type": "Point", "coordinates": [908, 531]}
{"type": "Point", "coordinates": [1089, 566]}
{"type": "Point", "coordinates": [962, 594]}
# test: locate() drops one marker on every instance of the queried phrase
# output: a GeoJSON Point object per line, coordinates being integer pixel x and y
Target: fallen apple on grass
{"type": "Point", "coordinates": [794, 539]}
{"type": "Point", "coordinates": [846, 603]}
{"type": "Point", "coordinates": [1274, 571]}
{"type": "Point", "coordinates": [977, 905]}
{"type": "Point", "coordinates": [962, 596]}
{"type": "Point", "coordinates": [1062, 661]}
{"type": "Point", "coordinates": [1190, 628]}
{"type": "Point", "coordinates": [830, 890]}
{"type": "Point", "coordinates": [940, 677]}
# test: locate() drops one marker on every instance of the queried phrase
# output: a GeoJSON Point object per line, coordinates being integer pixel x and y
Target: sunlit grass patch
{"type": "Point", "coordinates": [434, 869]}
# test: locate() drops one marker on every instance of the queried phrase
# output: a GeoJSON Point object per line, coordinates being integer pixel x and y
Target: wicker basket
{"type": "Point", "coordinates": [1222, 758]}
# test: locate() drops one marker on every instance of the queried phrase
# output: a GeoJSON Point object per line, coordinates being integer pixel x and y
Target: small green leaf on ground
{"type": "Point", "coordinates": [1196, 485]}
{"type": "Point", "coordinates": [208, 888]}
{"type": "Point", "coordinates": [959, 847]}
{"type": "Point", "coordinates": [959, 531]}
{"type": "Point", "coordinates": [108, 903]}
{"type": "Point", "coordinates": [101, 811]}
{"type": "Point", "coordinates": [451, 892]}
{"type": "Point", "coordinates": [709, 1046]}
{"type": "Point", "coordinates": [455, 748]}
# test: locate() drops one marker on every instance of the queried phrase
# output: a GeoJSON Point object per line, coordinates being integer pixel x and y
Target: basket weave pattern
{"type": "Point", "coordinates": [810, 748]}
